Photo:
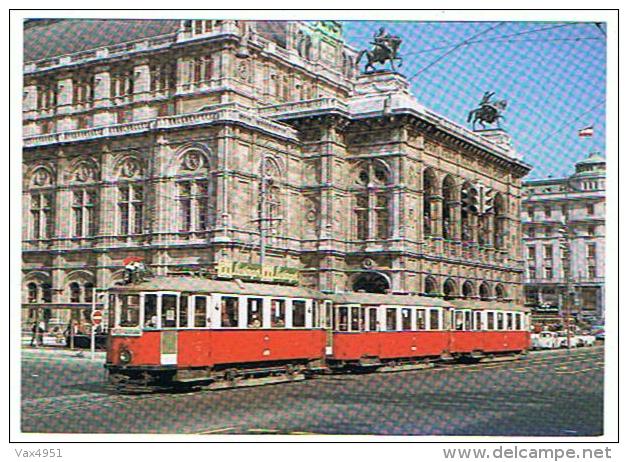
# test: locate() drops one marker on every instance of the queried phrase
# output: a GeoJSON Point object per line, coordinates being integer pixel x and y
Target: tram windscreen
{"type": "Point", "coordinates": [129, 306]}
{"type": "Point", "coordinates": [150, 311]}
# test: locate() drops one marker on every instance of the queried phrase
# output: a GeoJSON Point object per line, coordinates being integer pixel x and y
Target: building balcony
{"type": "Point", "coordinates": [304, 108]}
{"type": "Point", "coordinates": [227, 113]}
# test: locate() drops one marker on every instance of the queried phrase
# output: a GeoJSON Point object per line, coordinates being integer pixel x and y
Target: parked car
{"type": "Point", "coordinates": [545, 340]}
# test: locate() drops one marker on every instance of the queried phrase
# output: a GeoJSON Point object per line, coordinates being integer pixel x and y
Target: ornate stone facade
{"type": "Point", "coordinates": [577, 202]}
{"type": "Point", "coordinates": [155, 147]}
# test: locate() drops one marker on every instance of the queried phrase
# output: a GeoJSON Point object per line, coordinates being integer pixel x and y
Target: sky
{"type": "Point", "coordinates": [553, 75]}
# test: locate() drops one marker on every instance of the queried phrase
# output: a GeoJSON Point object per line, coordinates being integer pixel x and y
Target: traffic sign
{"type": "Point", "coordinates": [96, 317]}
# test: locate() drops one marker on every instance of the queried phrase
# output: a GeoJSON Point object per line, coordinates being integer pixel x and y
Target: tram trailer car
{"type": "Point", "coordinates": [184, 330]}
{"type": "Point", "coordinates": [171, 331]}
{"type": "Point", "coordinates": [396, 332]}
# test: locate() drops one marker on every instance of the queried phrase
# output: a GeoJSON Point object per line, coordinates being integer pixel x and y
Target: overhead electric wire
{"type": "Point", "coordinates": [456, 47]}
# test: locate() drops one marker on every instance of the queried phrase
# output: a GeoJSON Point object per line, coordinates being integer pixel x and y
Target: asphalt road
{"type": "Point", "coordinates": [557, 393]}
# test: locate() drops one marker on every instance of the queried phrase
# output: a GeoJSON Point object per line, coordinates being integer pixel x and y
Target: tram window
{"type": "Point", "coordinates": [328, 315]}
{"type": "Point", "coordinates": [355, 319]}
{"type": "Point", "coordinates": [129, 310]}
{"type": "Point", "coordinates": [229, 312]}
{"type": "Point", "coordinates": [434, 320]}
{"type": "Point", "coordinates": [509, 323]}
{"type": "Point", "coordinates": [490, 321]}
{"type": "Point", "coordinates": [298, 313]}
{"type": "Point", "coordinates": [391, 318]}
{"type": "Point", "coordinates": [200, 312]}
{"type": "Point", "coordinates": [150, 311]}
{"type": "Point", "coordinates": [406, 319]}
{"type": "Point", "coordinates": [420, 319]}
{"type": "Point", "coordinates": [500, 321]}
{"type": "Point", "coordinates": [373, 319]}
{"type": "Point", "coordinates": [458, 320]}
{"type": "Point", "coordinates": [168, 311]}
{"type": "Point", "coordinates": [518, 321]}
{"type": "Point", "coordinates": [183, 311]}
{"type": "Point", "coordinates": [467, 320]}
{"type": "Point", "coordinates": [342, 314]}
{"type": "Point", "coordinates": [254, 312]}
{"type": "Point", "coordinates": [278, 313]}
{"type": "Point", "coordinates": [478, 320]}
{"type": "Point", "coordinates": [315, 314]}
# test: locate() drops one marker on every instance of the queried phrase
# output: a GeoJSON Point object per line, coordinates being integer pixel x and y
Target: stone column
{"type": "Point", "coordinates": [141, 91]}
{"type": "Point", "coordinates": [455, 221]}
{"type": "Point", "coordinates": [102, 95]}
{"type": "Point", "coordinates": [436, 214]}
{"type": "Point", "coordinates": [490, 229]}
{"type": "Point", "coordinates": [29, 101]}
{"type": "Point", "coordinates": [58, 279]}
{"type": "Point", "coordinates": [65, 95]}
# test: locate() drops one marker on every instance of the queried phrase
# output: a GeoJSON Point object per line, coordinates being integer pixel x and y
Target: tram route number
{"type": "Point", "coordinates": [38, 453]}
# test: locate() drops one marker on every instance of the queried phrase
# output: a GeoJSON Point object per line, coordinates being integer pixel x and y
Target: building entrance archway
{"type": "Point", "coordinates": [371, 282]}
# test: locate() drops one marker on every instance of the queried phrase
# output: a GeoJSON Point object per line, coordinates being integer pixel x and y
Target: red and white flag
{"type": "Point", "coordinates": [586, 132]}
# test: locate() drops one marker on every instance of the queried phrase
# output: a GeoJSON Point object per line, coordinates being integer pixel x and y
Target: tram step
{"type": "Point", "coordinates": [405, 367]}
{"type": "Point", "coordinates": [254, 382]}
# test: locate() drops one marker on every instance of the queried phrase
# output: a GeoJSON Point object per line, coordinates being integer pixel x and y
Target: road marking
{"type": "Point", "coordinates": [262, 430]}
{"type": "Point", "coordinates": [215, 430]}
{"type": "Point", "coordinates": [580, 370]}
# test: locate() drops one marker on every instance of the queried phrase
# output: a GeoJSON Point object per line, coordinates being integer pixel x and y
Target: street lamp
{"type": "Point", "coordinates": [565, 233]}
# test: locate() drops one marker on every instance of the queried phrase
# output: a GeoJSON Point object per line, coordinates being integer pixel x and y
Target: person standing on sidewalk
{"type": "Point", "coordinates": [34, 334]}
{"type": "Point", "coordinates": [41, 329]}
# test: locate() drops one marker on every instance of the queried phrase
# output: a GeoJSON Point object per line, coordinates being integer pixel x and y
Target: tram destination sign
{"type": "Point", "coordinates": [256, 272]}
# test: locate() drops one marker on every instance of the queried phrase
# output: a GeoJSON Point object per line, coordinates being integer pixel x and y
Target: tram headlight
{"type": "Point", "coordinates": [125, 356]}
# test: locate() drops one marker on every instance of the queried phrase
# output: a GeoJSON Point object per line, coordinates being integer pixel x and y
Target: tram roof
{"type": "Point", "coordinates": [235, 286]}
{"type": "Point", "coordinates": [231, 286]}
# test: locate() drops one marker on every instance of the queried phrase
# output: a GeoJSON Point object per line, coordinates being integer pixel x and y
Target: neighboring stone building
{"type": "Point", "coordinates": [152, 146]}
{"type": "Point", "coordinates": [578, 202]}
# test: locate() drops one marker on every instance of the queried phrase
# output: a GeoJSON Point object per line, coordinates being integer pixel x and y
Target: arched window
{"type": "Point", "coordinates": [467, 289]}
{"type": "Point", "coordinates": [33, 292]}
{"type": "Point", "coordinates": [75, 292]}
{"type": "Point", "coordinates": [429, 191]}
{"type": "Point", "coordinates": [500, 292]}
{"type": "Point", "coordinates": [485, 292]}
{"type": "Point", "coordinates": [450, 290]}
{"type": "Point", "coordinates": [429, 286]}
{"type": "Point", "coordinates": [193, 192]}
{"type": "Point", "coordinates": [372, 201]}
{"type": "Point", "coordinates": [500, 221]}
{"type": "Point", "coordinates": [449, 197]}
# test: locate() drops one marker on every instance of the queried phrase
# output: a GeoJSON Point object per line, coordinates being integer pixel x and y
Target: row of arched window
{"type": "Point", "coordinates": [38, 292]}
{"type": "Point", "coordinates": [451, 290]}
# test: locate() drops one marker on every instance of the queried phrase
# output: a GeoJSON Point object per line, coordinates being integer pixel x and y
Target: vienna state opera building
{"type": "Point", "coordinates": [185, 143]}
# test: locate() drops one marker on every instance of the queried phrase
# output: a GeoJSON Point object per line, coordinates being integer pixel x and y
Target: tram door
{"type": "Point", "coordinates": [327, 316]}
{"type": "Point", "coordinates": [168, 344]}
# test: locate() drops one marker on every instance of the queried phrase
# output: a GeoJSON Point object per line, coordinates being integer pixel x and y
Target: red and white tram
{"type": "Point", "coordinates": [170, 331]}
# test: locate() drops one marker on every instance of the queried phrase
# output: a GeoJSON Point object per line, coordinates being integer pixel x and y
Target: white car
{"type": "Point", "coordinates": [545, 340]}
